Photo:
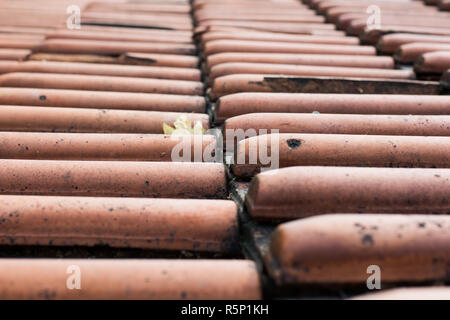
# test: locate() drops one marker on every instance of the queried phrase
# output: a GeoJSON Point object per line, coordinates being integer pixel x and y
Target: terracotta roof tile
{"type": "Point", "coordinates": [390, 43]}
{"type": "Point", "coordinates": [98, 146]}
{"type": "Point", "coordinates": [296, 149]}
{"type": "Point", "coordinates": [101, 100]}
{"type": "Point", "coordinates": [218, 46]}
{"type": "Point", "coordinates": [275, 37]}
{"type": "Point", "coordinates": [149, 36]}
{"type": "Point", "coordinates": [54, 119]}
{"type": "Point", "coordinates": [112, 47]}
{"type": "Point", "coordinates": [100, 69]}
{"type": "Point", "coordinates": [364, 124]}
{"type": "Point", "coordinates": [100, 83]}
{"type": "Point", "coordinates": [372, 36]}
{"type": "Point", "coordinates": [353, 61]}
{"type": "Point", "coordinates": [169, 224]}
{"type": "Point", "coordinates": [146, 279]}
{"type": "Point", "coordinates": [14, 54]}
{"type": "Point", "coordinates": [113, 178]}
{"type": "Point", "coordinates": [412, 51]}
{"type": "Point", "coordinates": [340, 248]}
{"type": "Point", "coordinates": [233, 68]}
{"type": "Point", "coordinates": [433, 62]}
{"type": "Point", "coordinates": [249, 102]}
{"type": "Point", "coordinates": [298, 192]}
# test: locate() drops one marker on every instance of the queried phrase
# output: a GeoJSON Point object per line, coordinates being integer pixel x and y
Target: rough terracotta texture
{"type": "Point", "coordinates": [372, 36]}
{"type": "Point", "coordinates": [143, 19]}
{"type": "Point", "coordinates": [433, 62]}
{"type": "Point", "coordinates": [323, 6]}
{"type": "Point", "coordinates": [218, 46]}
{"type": "Point", "coordinates": [281, 27]}
{"type": "Point", "coordinates": [53, 119]}
{"type": "Point", "coordinates": [25, 36]}
{"type": "Point", "coordinates": [357, 22]}
{"type": "Point", "coordinates": [101, 100]}
{"type": "Point", "coordinates": [281, 37]}
{"type": "Point", "coordinates": [250, 102]}
{"type": "Point", "coordinates": [151, 36]}
{"type": "Point", "coordinates": [36, 30]}
{"type": "Point", "coordinates": [112, 47]}
{"type": "Point", "coordinates": [135, 31]}
{"type": "Point", "coordinates": [334, 14]}
{"type": "Point", "coordinates": [113, 178]}
{"type": "Point", "coordinates": [298, 192]}
{"type": "Point", "coordinates": [73, 68]}
{"type": "Point", "coordinates": [77, 177]}
{"type": "Point", "coordinates": [309, 23]}
{"type": "Point", "coordinates": [291, 29]}
{"type": "Point", "coordinates": [100, 83]}
{"type": "Point", "coordinates": [20, 43]}
{"type": "Point", "coordinates": [161, 224]}
{"type": "Point", "coordinates": [98, 146]}
{"type": "Point", "coordinates": [365, 124]}
{"type": "Point", "coordinates": [129, 279]}
{"type": "Point", "coordinates": [301, 18]}
{"type": "Point", "coordinates": [179, 7]}
{"type": "Point", "coordinates": [340, 150]}
{"type": "Point", "coordinates": [128, 58]}
{"type": "Point", "coordinates": [410, 52]}
{"type": "Point", "coordinates": [254, 14]}
{"type": "Point", "coordinates": [14, 54]}
{"type": "Point", "coordinates": [302, 59]}
{"type": "Point", "coordinates": [340, 248]}
{"type": "Point", "coordinates": [357, 26]}
{"type": "Point", "coordinates": [231, 68]}
{"type": "Point", "coordinates": [244, 6]}
{"type": "Point", "coordinates": [390, 43]}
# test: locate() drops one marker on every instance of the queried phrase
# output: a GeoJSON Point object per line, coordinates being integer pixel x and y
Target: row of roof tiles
{"type": "Point", "coordinates": [85, 161]}
{"type": "Point", "coordinates": [345, 218]}
{"type": "Point", "coordinates": [248, 57]}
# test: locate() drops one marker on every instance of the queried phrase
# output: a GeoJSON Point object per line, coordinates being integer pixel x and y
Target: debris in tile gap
{"type": "Point", "coordinates": [183, 126]}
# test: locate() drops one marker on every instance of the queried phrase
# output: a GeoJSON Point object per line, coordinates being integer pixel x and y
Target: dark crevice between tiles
{"type": "Point", "coordinates": [428, 76]}
{"type": "Point", "coordinates": [210, 109]}
{"type": "Point", "coordinates": [339, 291]}
{"type": "Point", "coordinates": [200, 66]}
{"type": "Point", "coordinates": [11, 251]}
{"type": "Point", "coordinates": [254, 237]}
{"type": "Point", "coordinates": [251, 235]}
{"type": "Point", "coordinates": [351, 85]}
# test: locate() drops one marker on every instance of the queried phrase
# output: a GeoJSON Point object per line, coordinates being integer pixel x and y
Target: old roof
{"type": "Point", "coordinates": [329, 152]}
